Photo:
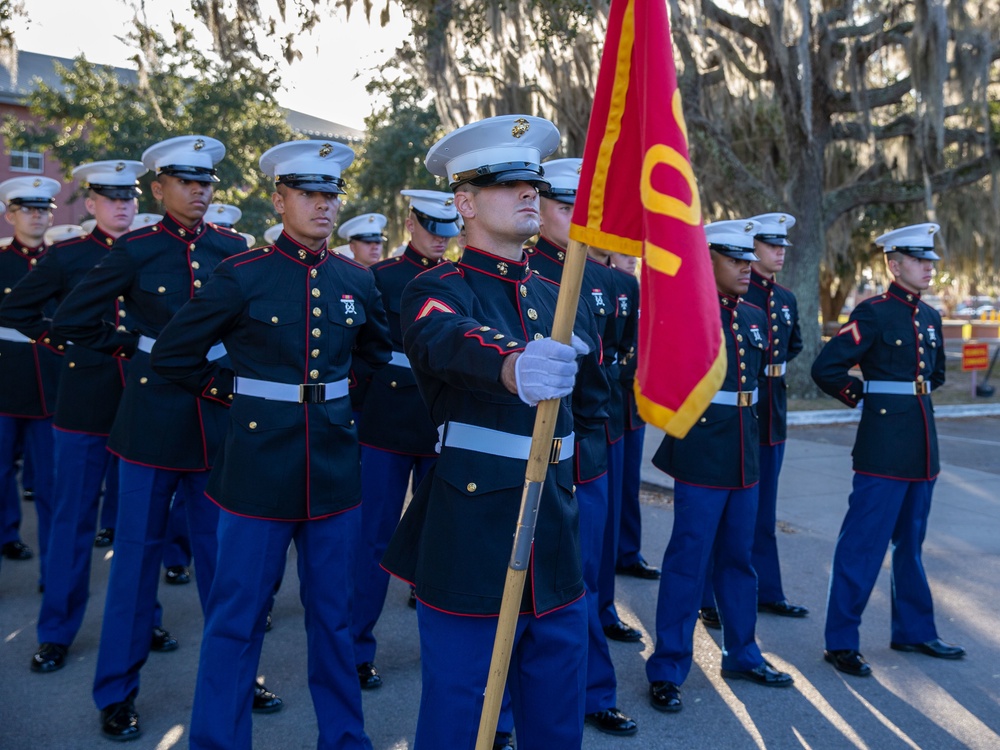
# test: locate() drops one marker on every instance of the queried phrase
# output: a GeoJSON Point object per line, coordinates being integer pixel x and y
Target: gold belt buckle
{"type": "Point", "coordinates": [774, 371]}
{"type": "Point", "coordinates": [744, 398]}
{"type": "Point", "coordinates": [922, 388]}
{"type": "Point", "coordinates": [556, 450]}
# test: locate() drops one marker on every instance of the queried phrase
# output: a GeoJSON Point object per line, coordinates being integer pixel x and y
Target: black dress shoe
{"type": "Point", "coordinates": [782, 609]}
{"type": "Point", "coordinates": [163, 641]}
{"type": "Point", "coordinates": [264, 701]}
{"type": "Point", "coordinates": [28, 495]}
{"type": "Point", "coordinates": [120, 722]}
{"type": "Point", "coordinates": [177, 575]}
{"type": "Point", "coordinates": [104, 538]}
{"type": "Point", "coordinates": [49, 658]}
{"type": "Point", "coordinates": [612, 721]}
{"type": "Point", "coordinates": [709, 617]}
{"type": "Point", "coordinates": [848, 661]}
{"type": "Point", "coordinates": [619, 631]}
{"type": "Point", "coordinates": [937, 648]}
{"type": "Point", "coordinates": [268, 623]}
{"type": "Point", "coordinates": [503, 741]}
{"type": "Point", "coordinates": [665, 696]}
{"type": "Point", "coordinates": [412, 601]}
{"type": "Point", "coordinates": [762, 674]}
{"type": "Point", "coordinates": [368, 676]}
{"type": "Point", "coordinates": [17, 551]}
{"type": "Point", "coordinates": [639, 569]}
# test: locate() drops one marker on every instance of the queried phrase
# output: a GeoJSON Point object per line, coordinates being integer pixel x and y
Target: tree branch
{"type": "Point", "coordinates": [729, 51]}
{"type": "Point", "coordinates": [740, 25]}
{"type": "Point", "coordinates": [886, 190]}
{"type": "Point", "coordinates": [728, 158]}
{"type": "Point", "coordinates": [842, 101]}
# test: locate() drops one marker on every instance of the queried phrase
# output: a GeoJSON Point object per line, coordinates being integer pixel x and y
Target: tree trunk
{"type": "Point", "coordinates": [801, 272]}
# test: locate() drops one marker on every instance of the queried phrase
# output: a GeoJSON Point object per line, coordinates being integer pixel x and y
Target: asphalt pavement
{"type": "Point", "coordinates": [911, 701]}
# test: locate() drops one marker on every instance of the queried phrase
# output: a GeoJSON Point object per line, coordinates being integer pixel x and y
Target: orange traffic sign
{"type": "Point", "coordinates": [975, 357]}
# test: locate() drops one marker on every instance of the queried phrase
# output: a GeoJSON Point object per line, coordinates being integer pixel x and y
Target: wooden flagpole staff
{"type": "Point", "coordinates": [538, 463]}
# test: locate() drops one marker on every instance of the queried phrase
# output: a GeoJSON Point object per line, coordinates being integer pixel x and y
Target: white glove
{"type": "Point", "coordinates": [579, 345]}
{"type": "Point", "coordinates": [546, 369]}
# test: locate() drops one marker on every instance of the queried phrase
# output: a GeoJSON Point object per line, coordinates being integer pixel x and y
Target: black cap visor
{"type": "Point", "coordinates": [313, 183]}
{"type": "Point", "coordinates": [920, 253]}
{"type": "Point", "coordinates": [438, 227]}
{"type": "Point", "coordinates": [192, 174]}
{"type": "Point", "coordinates": [117, 192]}
{"type": "Point", "coordinates": [368, 238]}
{"type": "Point", "coordinates": [499, 174]}
{"type": "Point", "coordinates": [731, 251]}
{"type": "Point", "coordinates": [778, 240]}
{"type": "Point", "coordinates": [31, 202]}
{"type": "Point", "coordinates": [563, 195]}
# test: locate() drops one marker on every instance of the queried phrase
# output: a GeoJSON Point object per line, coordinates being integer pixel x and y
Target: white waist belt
{"type": "Point", "coordinates": [216, 352]}
{"type": "Point", "coordinates": [9, 334]}
{"type": "Point", "coordinates": [308, 393]}
{"type": "Point", "coordinates": [735, 398]}
{"type": "Point", "coordinates": [897, 388]}
{"type": "Point", "coordinates": [400, 360]}
{"type": "Point", "coordinates": [776, 371]}
{"type": "Point", "coordinates": [496, 443]}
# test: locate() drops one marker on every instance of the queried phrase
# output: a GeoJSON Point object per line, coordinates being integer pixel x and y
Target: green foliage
{"type": "Point", "coordinates": [179, 90]}
{"type": "Point", "coordinates": [392, 155]}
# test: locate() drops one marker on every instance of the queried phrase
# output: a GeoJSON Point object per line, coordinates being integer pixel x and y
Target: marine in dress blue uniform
{"type": "Point", "coordinates": [365, 238]}
{"type": "Point", "coordinates": [896, 339]}
{"type": "Point", "coordinates": [715, 470]}
{"type": "Point", "coordinates": [90, 387]}
{"type": "Point", "coordinates": [291, 315]}
{"type": "Point", "coordinates": [165, 437]}
{"type": "Point", "coordinates": [784, 344]}
{"type": "Point", "coordinates": [591, 460]}
{"type": "Point", "coordinates": [620, 339]}
{"type": "Point", "coordinates": [630, 560]}
{"type": "Point", "coordinates": [30, 371]}
{"type": "Point", "coordinates": [476, 337]}
{"type": "Point", "coordinates": [177, 551]}
{"type": "Point", "coordinates": [396, 432]}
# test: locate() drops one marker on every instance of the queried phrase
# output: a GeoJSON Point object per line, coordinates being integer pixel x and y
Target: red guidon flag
{"type": "Point", "coordinates": [638, 196]}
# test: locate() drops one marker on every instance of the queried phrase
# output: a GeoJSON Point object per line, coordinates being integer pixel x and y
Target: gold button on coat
{"type": "Point", "coordinates": [313, 374]}
{"type": "Point", "coordinates": [274, 318]}
{"type": "Point", "coordinates": [349, 321]}
{"type": "Point", "coordinates": [253, 425]}
{"type": "Point", "coordinates": [532, 313]}
{"type": "Point", "coordinates": [143, 380]}
{"type": "Point", "coordinates": [317, 312]}
{"type": "Point", "coordinates": [316, 333]}
{"type": "Point", "coordinates": [316, 292]}
{"type": "Point", "coordinates": [471, 486]}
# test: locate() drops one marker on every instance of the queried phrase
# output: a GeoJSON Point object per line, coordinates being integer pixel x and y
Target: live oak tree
{"type": "Point", "coordinates": [828, 110]}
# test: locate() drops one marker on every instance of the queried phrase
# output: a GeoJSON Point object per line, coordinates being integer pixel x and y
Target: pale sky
{"type": "Point", "coordinates": [328, 82]}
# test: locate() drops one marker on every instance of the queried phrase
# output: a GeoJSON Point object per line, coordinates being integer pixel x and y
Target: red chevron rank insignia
{"type": "Point", "coordinates": [433, 305]}
{"type": "Point", "coordinates": [852, 328]}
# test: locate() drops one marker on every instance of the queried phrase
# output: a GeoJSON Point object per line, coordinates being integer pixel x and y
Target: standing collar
{"type": "Point", "coordinates": [22, 249]}
{"type": "Point", "coordinates": [411, 254]}
{"type": "Point", "coordinates": [550, 250]}
{"type": "Point", "coordinates": [298, 252]}
{"type": "Point", "coordinates": [179, 230]}
{"type": "Point", "coordinates": [904, 295]}
{"type": "Point", "coordinates": [101, 237]}
{"type": "Point", "coordinates": [494, 265]}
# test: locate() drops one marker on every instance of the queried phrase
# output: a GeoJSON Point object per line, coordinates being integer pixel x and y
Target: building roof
{"type": "Point", "coordinates": [33, 67]}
